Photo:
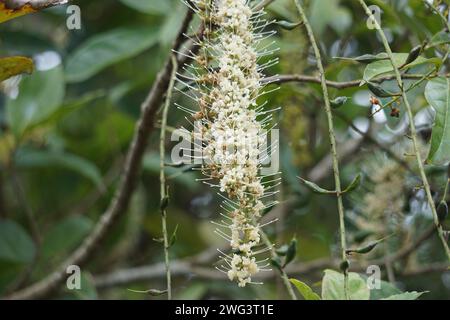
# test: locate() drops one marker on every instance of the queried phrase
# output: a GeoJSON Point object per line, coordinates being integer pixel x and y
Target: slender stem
{"type": "Point", "coordinates": [162, 176]}
{"type": "Point", "coordinates": [332, 138]}
{"type": "Point", "coordinates": [301, 78]}
{"type": "Point", "coordinates": [283, 273]}
{"type": "Point", "coordinates": [444, 196]}
{"type": "Point", "coordinates": [412, 128]}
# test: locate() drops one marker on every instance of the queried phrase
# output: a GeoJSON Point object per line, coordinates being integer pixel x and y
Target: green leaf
{"type": "Point", "coordinates": [305, 290]}
{"type": "Point", "coordinates": [315, 188]}
{"type": "Point", "coordinates": [353, 185]}
{"type": "Point", "coordinates": [287, 25]}
{"type": "Point", "coordinates": [173, 237]}
{"type": "Point", "coordinates": [382, 67]}
{"type": "Point", "coordinates": [169, 30]}
{"type": "Point", "coordinates": [67, 108]}
{"type": "Point", "coordinates": [291, 252]}
{"type": "Point", "coordinates": [440, 38]}
{"type": "Point", "coordinates": [363, 250]}
{"type": "Point", "coordinates": [13, 66]}
{"type": "Point", "coordinates": [368, 247]}
{"type": "Point", "coordinates": [413, 55]}
{"type": "Point", "coordinates": [16, 246]}
{"type": "Point", "coordinates": [338, 102]}
{"type": "Point", "coordinates": [106, 49]}
{"type": "Point", "coordinates": [442, 211]}
{"type": "Point", "coordinates": [378, 91]}
{"type": "Point", "coordinates": [275, 261]}
{"type": "Point", "coordinates": [156, 7]}
{"type": "Point", "coordinates": [282, 251]}
{"type": "Point", "coordinates": [412, 295]}
{"type": "Point", "coordinates": [333, 286]}
{"type": "Point", "coordinates": [366, 58]}
{"type": "Point", "coordinates": [437, 93]}
{"type": "Point", "coordinates": [87, 290]}
{"type": "Point", "coordinates": [40, 95]}
{"type": "Point", "coordinates": [331, 13]}
{"type": "Point", "coordinates": [386, 290]}
{"type": "Point", "coordinates": [65, 236]}
{"type": "Point", "coordinates": [38, 159]}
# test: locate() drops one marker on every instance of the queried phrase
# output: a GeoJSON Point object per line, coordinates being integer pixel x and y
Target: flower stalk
{"type": "Point", "coordinates": [226, 82]}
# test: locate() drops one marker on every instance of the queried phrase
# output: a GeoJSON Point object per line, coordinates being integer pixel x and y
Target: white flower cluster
{"type": "Point", "coordinates": [231, 133]}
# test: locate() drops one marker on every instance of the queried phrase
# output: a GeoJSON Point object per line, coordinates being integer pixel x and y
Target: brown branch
{"type": "Point", "coordinates": [192, 267]}
{"type": "Point", "coordinates": [186, 268]}
{"type": "Point", "coordinates": [119, 204]}
{"type": "Point", "coordinates": [300, 78]}
{"type": "Point", "coordinates": [182, 268]}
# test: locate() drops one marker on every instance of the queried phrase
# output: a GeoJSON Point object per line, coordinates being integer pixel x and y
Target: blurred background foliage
{"type": "Point", "coordinates": [65, 130]}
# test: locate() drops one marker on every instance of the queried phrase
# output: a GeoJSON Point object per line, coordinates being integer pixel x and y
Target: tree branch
{"type": "Point", "coordinates": [301, 78]}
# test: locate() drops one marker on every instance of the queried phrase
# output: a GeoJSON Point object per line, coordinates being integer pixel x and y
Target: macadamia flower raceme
{"type": "Point", "coordinates": [227, 81]}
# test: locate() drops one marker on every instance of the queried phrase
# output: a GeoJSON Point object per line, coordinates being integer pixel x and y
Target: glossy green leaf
{"type": "Point", "coordinates": [366, 58]}
{"type": "Point", "coordinates": [385, 290]}
{"type": "Point", "coordinates": [13, 66]}
{"type": "Point", "coordinates": [65, 235]}
{"type": "Point", "coordinates": [413, 295]}
{"type": "Point", "coordinates": [353, 185]}
{"type": "Point", "coordinates": [39, 159]}
{"type": "Point", "coordinates": [440, 38]}
{"type": "Point", "coordinates": [40, 95]}
{"type": "Point", "coordinates": [159, 7]}
{"type": "Point", "coordinates": [87, 290]}
{"type": "Point", "coordinates": [173, 237]}
{"type": "Point", "coordinates": [382, 67]}
{"type": "Point", "coordinates": [68, 108]}
{"type": "Point", "coordinates": [287, 25]}
{"type": "Point", "coordinates": [291, 252]}
{"type": "Point", "coordinates": [16, 246]}
{"type": "Point", "coordinates": [315, 188]}
{"type": "Point", "coordinates": [378, 91]}
{"type": "Point", "coordinates": [106, 49]}
{"type": "Point", "coordinates": [333, 286]}
{"type": "Point", "coordinates": [306, 292]}
{"type": "Point", "coordinates": [338, 102]}
{"type": "Point", "coordinates": [437, 93]}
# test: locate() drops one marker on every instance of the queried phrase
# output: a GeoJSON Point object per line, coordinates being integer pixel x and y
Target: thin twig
{"type": "Point", "coordinates": [191, 267]}
{"type": "Point", "coordinates": [162, 176]}
{"type": "Point", "coordinates": [301, 78]}
{"type": "Point", "coordinates": [411, 126]}
{"type": "Point", "coordinates": [283, 273]}
{"type": "Point", "coordinates": [332, 137]}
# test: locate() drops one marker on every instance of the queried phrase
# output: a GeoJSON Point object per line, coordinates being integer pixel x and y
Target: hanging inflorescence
{"type": "Point", "coordinates": [225, 80]}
